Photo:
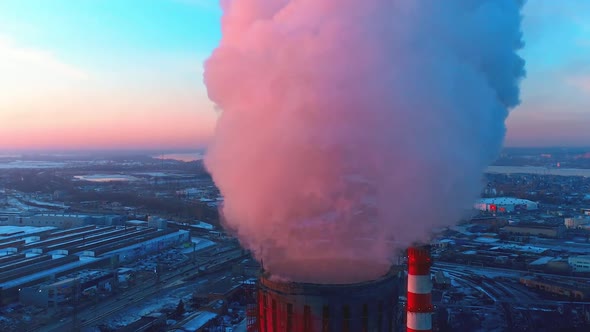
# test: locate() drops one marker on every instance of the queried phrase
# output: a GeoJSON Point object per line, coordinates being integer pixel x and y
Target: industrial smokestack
{"type": "Point", "coordinates": [419, 306]}
{"type": "Point", "coordinates": [350, 129]}
{"type": "Point", "coordinates": [285, 306]}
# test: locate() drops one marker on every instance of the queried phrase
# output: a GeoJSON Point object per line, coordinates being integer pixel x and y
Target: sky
{"type": "Point", "coordinates": [127, 74]}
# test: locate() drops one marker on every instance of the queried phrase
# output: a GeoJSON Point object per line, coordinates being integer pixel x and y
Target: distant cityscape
{"type": "Point", "coordinates": [116, 243]}
{"type": "Point", "coordinates": [134, 243]}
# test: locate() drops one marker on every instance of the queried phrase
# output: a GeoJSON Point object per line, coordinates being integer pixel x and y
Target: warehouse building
{"type": "Point", "coordinates": [579, 263]}
{"type": "Point", "coordinates": [33, 258]}
{"type": "Point", "coordinates": [521, 231]}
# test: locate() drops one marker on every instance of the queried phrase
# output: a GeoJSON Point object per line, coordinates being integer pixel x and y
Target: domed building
{"type": "Point", "coordinates": [505, 204]}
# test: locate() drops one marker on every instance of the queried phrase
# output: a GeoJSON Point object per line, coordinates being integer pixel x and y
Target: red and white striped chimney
{"type": "Point", "coordinates": [419, 307]}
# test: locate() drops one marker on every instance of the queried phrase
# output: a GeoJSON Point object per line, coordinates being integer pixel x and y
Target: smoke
{"type": "Point", "coordinates": [351, 128]}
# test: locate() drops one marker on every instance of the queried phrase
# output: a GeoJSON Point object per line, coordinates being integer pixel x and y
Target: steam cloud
{"type": "Point", "coordinates": [351, 128]}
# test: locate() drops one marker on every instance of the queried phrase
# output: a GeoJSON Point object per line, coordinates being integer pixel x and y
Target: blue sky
{"type": "Point", "coordinates": [74, 68]}
{"type": "Point", "coordinates": [103, 73]}
{"type": "Point", "coordinates": [556, 93]}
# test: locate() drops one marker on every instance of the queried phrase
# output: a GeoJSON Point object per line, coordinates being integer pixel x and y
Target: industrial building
{"type": "Point", "coordinates": [293, 306]}
{"type": "Point", "coordinates": [84, 284]}
{"type": "Point", "coordinates": [59, 220]}
{"type": "Point", "coordinates": [9, 218]}
{"type": "Point", "coordinates": [505, 205]}
{"type": "Point", "coordinates": [34, 258]}
{"type": "Point", "coordinates": [519, 230]}
{"type": "Point", "coordinates": [579, 263]}
{"type": "Point", "coordinates": [577, 223]}
{"type": "Point", "coordinates": [570, 290]}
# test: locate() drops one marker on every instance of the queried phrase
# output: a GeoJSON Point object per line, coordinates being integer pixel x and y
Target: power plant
{"type": "Point", "coordinates": [287, 306]}
{"type": "Point", "coordinates": [301, 307]}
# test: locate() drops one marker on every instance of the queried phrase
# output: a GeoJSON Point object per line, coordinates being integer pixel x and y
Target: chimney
{"type": "Point", "coordinates": [419, 307]}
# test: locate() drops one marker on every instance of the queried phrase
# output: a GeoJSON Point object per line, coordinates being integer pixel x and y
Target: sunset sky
{"type": "Point", "coordinates": [128, 74]}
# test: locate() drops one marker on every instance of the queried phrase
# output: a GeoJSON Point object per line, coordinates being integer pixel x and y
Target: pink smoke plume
{"type": "Point", "coordinates": [351, 128]}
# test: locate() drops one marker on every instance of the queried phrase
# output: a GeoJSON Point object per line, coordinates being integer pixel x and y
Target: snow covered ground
{"type": "Point", "coordinates": [20, 205]}
{"type": "Point", "coordinates": [479, 270]}
{"type": "Point", "coordinates": [166, 300]}
{"type": "Point", "coordinates": [106, 178]}
{"type": "Point", "coordinates": [199, 320]}
{"type": "Point", "coordinates": [17, 206]}
{"type": "Point", "coordinates": [538, 170]}
{"type": "Point", "coordinates": [25, 229]}
{"type": "Point", "coordinates": [200, 245]}
{"type": "Point", "coordinates": [49, 204]}
{"type": "Point", "coordinates": [186, 157]}
{"type": "Point", "coordinates": [31, 164]}
{"type": "Point", "coordinates": [157, 174]}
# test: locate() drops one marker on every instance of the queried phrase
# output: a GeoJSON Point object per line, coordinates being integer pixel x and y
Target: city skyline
{"type": "Point", "coordinates": [116, 75]}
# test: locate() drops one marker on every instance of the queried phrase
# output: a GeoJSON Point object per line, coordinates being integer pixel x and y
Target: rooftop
{"type": "Point", "coordinates": [504, 201]}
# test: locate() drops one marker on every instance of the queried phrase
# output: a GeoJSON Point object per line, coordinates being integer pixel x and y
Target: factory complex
{"type": "Point", "coordinates": [45, 266]}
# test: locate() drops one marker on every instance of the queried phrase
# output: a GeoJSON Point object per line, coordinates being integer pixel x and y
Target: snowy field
{"type": "Point", "coordinates": [20, 204]}
{"type": "Point", "coordinates": [31, 164]}
{"type": "Point", "coordinates": [6, 230]}
{"type": "Point", "coordinates": [200, 244]}
{"type": "Point", "coordinates": [106, 178]}
{"type": "Point", "coordinates": [186, 157]}
{"type": "Point", "coordinates": [538, 170]}
{"type": "Point", "coordinates": [164, 300]}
